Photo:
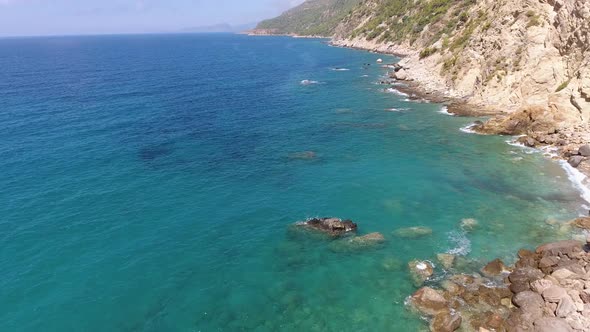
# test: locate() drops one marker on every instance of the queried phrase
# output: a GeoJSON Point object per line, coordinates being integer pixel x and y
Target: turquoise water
{"type": "Point", "coordinates": [148, 184]}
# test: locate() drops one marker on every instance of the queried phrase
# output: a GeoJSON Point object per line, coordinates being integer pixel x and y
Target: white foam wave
{"type": "Point", "coordinates": [393, 109]}
{"type": "Point", "coordinates": [468, 129]}
{"type": "Point", "coordinates": [445, 110]}
{"type": "Point", "coordinates": [340, 69]}
{"type": "Point", "coordinates": [397, 92]}
{"type": "Point", "coordinates": [308, 82]}
{"type": "Point", "coordinates": [579, 180]}
{"type": "Point", "coordinates": [461, 242]}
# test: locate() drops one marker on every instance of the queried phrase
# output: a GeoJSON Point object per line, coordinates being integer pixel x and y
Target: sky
{"type": "Point", "coordinates": [67, 17]}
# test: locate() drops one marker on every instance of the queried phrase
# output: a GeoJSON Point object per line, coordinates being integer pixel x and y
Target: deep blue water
{"type": "Point", "coordinates": [148, 184]}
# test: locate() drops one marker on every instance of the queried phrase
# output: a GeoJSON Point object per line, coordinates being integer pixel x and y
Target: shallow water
{"type": "Point", "coordinates": [149, 183]}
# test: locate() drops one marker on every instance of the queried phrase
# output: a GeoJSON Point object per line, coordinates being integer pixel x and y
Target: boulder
{"type": "Point", "coordinates": [330, 226]}
{"type": "Point", "coordinates": [561, 247]}
{"type": "Point", "coordinates": [583, 223]}
{"type": "Point", "coordinates": [584, 150]}
{"type": "Point", "coordinates": [420, 271]}
{"type": "Point", "coordinates": [446, 321]}
{"type": "Point", "coordinates": [554, 294]}
{"type": "Point", "coordinates": [539, 286]}
{"type": "Point", "coordinates": [549, 324]}
{"type": "Point", "coordinates": [566, 307]}
{"type": "Point", "coordinates": [429, 301]}
{"type": "Point", "coordinates": [521, 278]}
{"type": "Point", "coordinates": [527, 141]}
{"type": "Point", "coordinates": [446, 260]}
{"type": "Point", "coordinates": [548, 261]}
{"type": "Point", "coordinates": [413, 232]}
{"type": "Point", "coordinates": [575, 161]}
{"type": "Point", "coordinates": [530, 303]}
{"type": "Point", "coordinates": [494, 268]}
{"type": "Point", "coordinates": [585, 296]}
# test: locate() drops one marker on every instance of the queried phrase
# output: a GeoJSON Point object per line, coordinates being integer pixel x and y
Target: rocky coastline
{"type": "Point", "coordinates": [546, 290]}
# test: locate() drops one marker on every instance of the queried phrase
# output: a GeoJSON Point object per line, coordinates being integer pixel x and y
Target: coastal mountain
{"type": "Point", "coordinates": [311, 18]}
{"type": "Point", "coordinates": [528, 60]}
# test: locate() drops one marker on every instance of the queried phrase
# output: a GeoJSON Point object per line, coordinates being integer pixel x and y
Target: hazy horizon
{"type": "Point", "coordinates": [85, 17]}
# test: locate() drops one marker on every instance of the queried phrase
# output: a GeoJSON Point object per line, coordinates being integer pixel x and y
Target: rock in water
{"type": "Point", "coordinates": [413, 232]}
{"type": "Point", "coordinates": [420, 271]}
{"type": "Point", "coordinates": [468, 224]}
{"type": "Point", "coordinates": [583, 223]}
{"type": "Point", "coordinates": [358, 242]}
{"type": "Point", "coordinates": [331, 226]}
{"type": "Point", "coordinates": [494, 268]}
{"type": "Point", "coordinates": [575, 161]}
{"type": "Point", "coordinates": [446, 321]}
{"type": "Point", "coordinates": [367, 240]}
{"type": "Point", "coordinates": [447, 260]}
{"type": "Point", "coordinates": [429, 301]}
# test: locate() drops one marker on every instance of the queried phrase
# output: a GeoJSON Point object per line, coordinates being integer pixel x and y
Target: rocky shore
{"type": "Point", "coordinates": [546, 290]}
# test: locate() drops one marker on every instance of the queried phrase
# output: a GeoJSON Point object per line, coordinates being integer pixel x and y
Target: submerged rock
{"type": "Point", "coordinates": [331, 226]}
{"type": "Point", "coordinates": [413, 232]}
{"type": "Point", "coordinates": [420, 271]}
{"type": "Point", "coordinates": [446, 260]}
{"type": "Point", "coordinates": [303, 155]}
{"type": "Point", "coordinates": [446, 321]}
{"type": "Point", "coordinates": [358, 242]}
{"type": "Point", "coordinates": [468, 224]}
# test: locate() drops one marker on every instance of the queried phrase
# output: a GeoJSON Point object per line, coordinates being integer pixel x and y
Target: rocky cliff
{"type": "Point", "coordinates": [528, 58]}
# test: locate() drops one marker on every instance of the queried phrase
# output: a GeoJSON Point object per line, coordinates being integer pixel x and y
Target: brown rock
{"type": "Point", "coordinates": [420, 271]}
{"type": "Point", "coordinates": [522, 253]}
{"type": "Point", "coordinates": [562, 247]}
{"type": "Point", "coordinates": [445, 322]}
{"type": "Point", "coordinates": [522, 277]}
{"type": "Point", "coordinates": [494, 268]}
{"type": "Point", "coordinates": [548, 261]}
{"type": "Point", "coordinates": [539, 286]}
{"type": "Point", "coordinates": [575, 161]}
{"type": "Point", "coordinates": [565, 307]}
{"type": "Point", "coordinates": [429, 301]}
{"type": "Point", "coordinates": [530, 303]}
{"type": "Point", "coordinates": [554, 294]}
{"type": "Point", "coordinates": [331, 226]}
{"type": "Point", "coordinates": [584, 150]}
{"type": "Point", "coordinates": [585, 296]}
{"type": "Point", "coordinates": [583, 222]}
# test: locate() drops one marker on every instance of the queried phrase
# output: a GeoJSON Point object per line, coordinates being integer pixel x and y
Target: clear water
{"type": "Point", "coordinates": [148, 184]}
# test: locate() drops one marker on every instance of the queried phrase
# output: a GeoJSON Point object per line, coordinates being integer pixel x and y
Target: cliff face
{"type": "Point", "coordinates": [529, 57]}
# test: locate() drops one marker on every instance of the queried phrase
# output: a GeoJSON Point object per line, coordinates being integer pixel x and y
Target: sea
{"type": "Point", "coordinates": [152, 183]}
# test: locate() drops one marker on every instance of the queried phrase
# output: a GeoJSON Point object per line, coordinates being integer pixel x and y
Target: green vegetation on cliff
{"type": "Point", "coordinates": [313, 17]}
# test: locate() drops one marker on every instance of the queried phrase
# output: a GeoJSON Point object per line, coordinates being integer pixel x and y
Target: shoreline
{"type": "Point", "coordinates": [460, 106]}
